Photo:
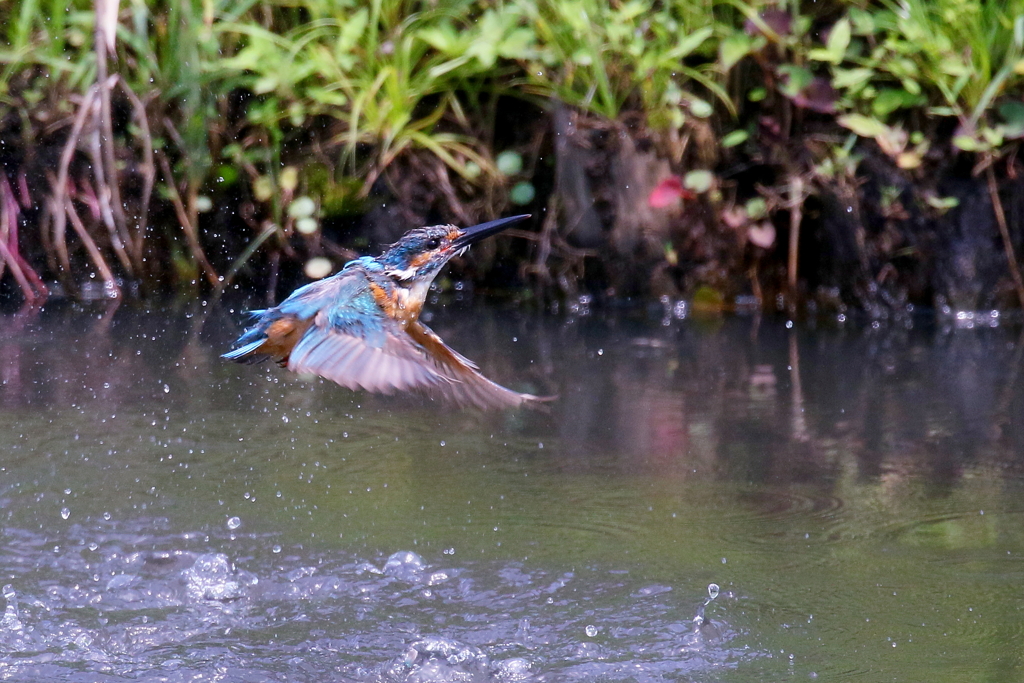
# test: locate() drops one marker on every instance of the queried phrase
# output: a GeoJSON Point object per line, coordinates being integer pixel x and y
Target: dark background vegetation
{"type": "Point", "coordinates": [809, 156]}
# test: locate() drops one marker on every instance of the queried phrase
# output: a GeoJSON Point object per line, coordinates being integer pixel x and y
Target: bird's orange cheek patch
{"type": "Point", "coordinates": [420, 259]}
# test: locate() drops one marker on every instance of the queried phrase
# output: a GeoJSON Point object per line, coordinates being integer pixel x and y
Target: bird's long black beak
{"type": "Point", "coordinates": [479, 232]}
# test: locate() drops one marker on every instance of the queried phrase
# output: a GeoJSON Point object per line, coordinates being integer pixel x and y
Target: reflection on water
{"type": "Point", "coordinates": [855, 493]}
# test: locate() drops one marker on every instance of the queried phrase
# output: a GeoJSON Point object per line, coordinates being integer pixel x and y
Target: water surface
{"type": "Point", "coordinates": [856, 494]}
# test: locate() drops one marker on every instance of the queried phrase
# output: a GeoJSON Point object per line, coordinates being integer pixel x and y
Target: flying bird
{"type": "Point", "coordinates": [361, 328]}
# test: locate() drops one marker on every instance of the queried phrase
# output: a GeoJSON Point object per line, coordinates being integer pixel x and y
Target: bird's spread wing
{"type": "Point", "coordinates": [354, 343]}
{"type": "Point", "coordinates": [465, 385]}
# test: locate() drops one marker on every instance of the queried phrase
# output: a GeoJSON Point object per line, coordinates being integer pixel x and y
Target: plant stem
{"type": "Point", "coordinates": [112, 188]}
{"type": "Point", "coordinates": [1011, 258]}
{"type": "Point", "coordinates": [796, 200]}
{"type": "Point", "coordinates": [60, 187]}
{"type": "Point", "coordinates": [94, 252]}
{"type": "Point", "coordinates": [148, 174]}
{"type": "Point", "coordinates": [191, 231]}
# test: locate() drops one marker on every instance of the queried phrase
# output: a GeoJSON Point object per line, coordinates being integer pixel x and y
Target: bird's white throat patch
{"type": "Point", "coordinates": [409, 300]}
{"type": "Point", "coordinates": [401, 274]}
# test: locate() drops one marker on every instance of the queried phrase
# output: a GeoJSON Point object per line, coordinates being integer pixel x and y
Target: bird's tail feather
{"type": "Point", "coordinates": [247, 353]}
{"type": "Point", "coordinates": [247, 347]}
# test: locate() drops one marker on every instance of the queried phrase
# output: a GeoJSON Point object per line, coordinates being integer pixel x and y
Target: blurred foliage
{"type": "Point", "coordinates": [249, 87]}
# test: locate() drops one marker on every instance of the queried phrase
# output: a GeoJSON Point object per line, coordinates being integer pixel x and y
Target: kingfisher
{"type": "Point", "coordinates": [361, 328]}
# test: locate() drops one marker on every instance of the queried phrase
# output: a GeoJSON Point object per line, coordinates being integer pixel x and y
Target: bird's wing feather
{"type": "Point", "coordinates": [356, 344]}
{"type": "Point", "coordinates": [465, 385]}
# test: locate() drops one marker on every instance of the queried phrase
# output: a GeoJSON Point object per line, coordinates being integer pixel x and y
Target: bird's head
{"type": "Point", "coordinates": [421, 253]}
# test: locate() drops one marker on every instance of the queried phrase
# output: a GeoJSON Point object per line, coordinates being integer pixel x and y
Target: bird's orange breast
{"type": "Point", "coordinates": [399, 303]}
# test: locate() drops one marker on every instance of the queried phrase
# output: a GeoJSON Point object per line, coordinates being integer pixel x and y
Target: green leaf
{"type": "Point", "coordinates": [851, 78]}
{"type": "Point", "coordinates": [517, 45]}
{"type": "Point", "coordinates": [796, 79]}
{"type": "Point", "coordinates": [509, 162]}
{"type": "Point", "coordinates": [911, 86]}
{"type": "Point", "coordinates": [632, 10]}
{"type": "Point", "coordinates": [307, 226]}
{"type": "Point", "coordinates": [863, 22]}
{"type": "Point", "coordinates": [839, 39]}
{"type": "Point", "coordinates": [1012, 112]}
{"type": "Point", "coordinates": [522, 193]}
{"type": "Point", "coordinates": [863, 125]}
{"type": "Point", "coordinates": [353, 30]}
{"type": "Point", "coordinates": [226, 175]}
{"type": "Point", "coordinates": [941, 203]}
{"type": "Point", "coordinates": [583, 57]}
{"type": "Point", "coordinates": [733, 48]}
{"type": "Point", "coordinates": [954, 65]}
{"type": "Point", "coordinates": [333, 98]}
{"type": "Point", "coordinates": [265, 84]}
{"type": "Point", "coordinates": [967, 143]}
{"type": "Point", "coordinates": [442, 38]}
{"type": "Point", "coordinates": [301, 207]}
{"type": "Point", "coordinates": [691, 42]}
{"type": "Point", "coordinates": [699, 181]}
{"type": "Point", "coordinates": [891, 99]}
{"type": "Point", "coordinates": [700, 108]}
{"type": "Point", "coordinates": [757, 208]}
{"type": "Point", "coordinates": [737, 137]}
{"type": "Point", "coordinates": [993, 136]}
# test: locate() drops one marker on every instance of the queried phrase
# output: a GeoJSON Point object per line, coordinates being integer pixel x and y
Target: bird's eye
{"type": "Point", "coordinates": [434, 243]}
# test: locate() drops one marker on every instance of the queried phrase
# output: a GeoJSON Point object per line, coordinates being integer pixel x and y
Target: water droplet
{"type": "Point", "coordinates": [234, 523]}
{"type": "Point", "coordinates": [591, 630]}
{"type": "Point", "coordinates": [276, 549]}
{"type": "Point", "coordinates": [713, 590]}
{"type": "Point", "coordinates": [65, 513]}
